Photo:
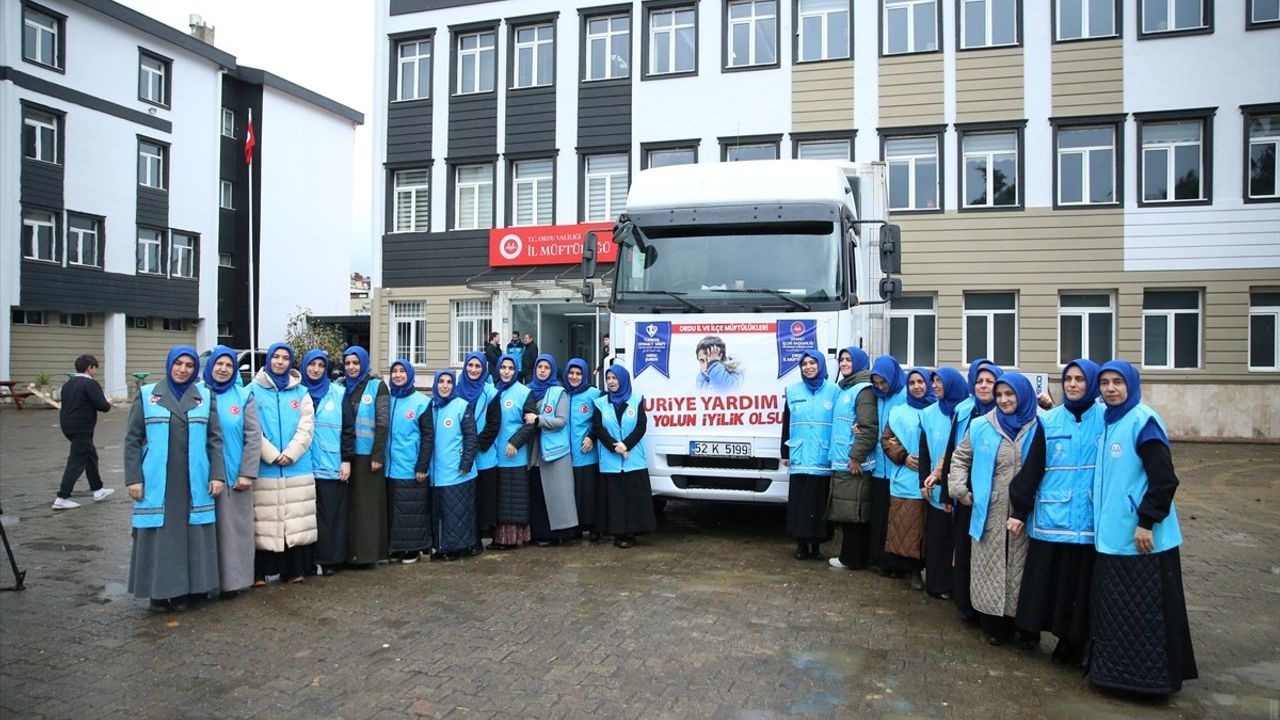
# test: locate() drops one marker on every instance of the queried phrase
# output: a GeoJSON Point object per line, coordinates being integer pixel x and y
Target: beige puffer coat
{"type": "Point", "coordinates": [284, 508]}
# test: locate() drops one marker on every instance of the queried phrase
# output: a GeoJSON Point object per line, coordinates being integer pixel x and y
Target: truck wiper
{"type": "Point", "coordinates": [776, 293]}
{"type": "Point", "coordinates": [677, 295]}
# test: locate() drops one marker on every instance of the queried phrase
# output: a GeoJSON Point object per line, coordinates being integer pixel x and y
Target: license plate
{"type": "Point", "coordinates": [719, 449]}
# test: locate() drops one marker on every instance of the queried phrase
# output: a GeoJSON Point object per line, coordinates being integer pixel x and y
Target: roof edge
{"type": "Point", "coordinates": [154, 27]}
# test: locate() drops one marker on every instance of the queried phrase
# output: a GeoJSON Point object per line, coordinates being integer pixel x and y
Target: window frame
{"type": "Point", "coordinates": [226, 195]}
{"type": "Point", "coordinates": [797, 42]}
{"type": "Point", "coordinates": [417, 355]}
{"type": "Point", "coordinates": [68, 319]}
{"type": "Point", "coordinates": [884, 27]}
{"type": "Point", "coordinates": [166, 78]}
{"type": "Point", "coordinates": [98, 237]}
{"type": "Point", "coordinates": [58, 118]}
{"type": "Point", "coordinates": [584, 184]}
{"type": "Point", "coordinates": [514, 47]}
{"type": "Point", "coordinates": [55, 241]}
{"type": "Point", "coordinates": [1117, 9]}
{"type": "Point", "coordinates": [1272, 311]}
{"type": "Point", "coordinates": [990, 29]}
{"type": "Point", "coordinates": [802, 138]}
{"type": "Point", "coordinates": [912, 315]}
{"type": "Point", "coordinates": [20, 316]}
{"type": "Point", "coordinates": [1116, 123]}
{"type": "Point", "coordinates": [483, 322]}
{"type": "Point", "coordinates": [161, 241]}
{"type": "Point", "coordinates": [177, 252]}
{"type": "Point", "coordinates": [1171, 340]}
{"type": "Point", "coordinates": [1083, 312]}
{"type": "Point", "coordinates": [1205, 28]}
{"type": "Point", "coordinates": [939, 133]}
{"type": "Point", "coordinates": [226, 260]}
{"type": "Point", "coordinates": [173, 325]}
{"type": "Point", "coordinates": [646, 41]}
{"type": "Point", "coordinates": [457, 187]}
{"type": "Point", "coordinates": [588, 15]}
{"type": "Point", "coordinates": [59, 40]}
{"type": "Point", "coordinates": [1248, 111]}
{"type": "Point", "coordinates": [163, 157]}
{"type": "Point", "coordinates": [228, 130]}
{"type": "Point", "coordinates": [414, 193]}
{"type": "Point", "coordinates": [726, 42]}
{"type": "Point", "coordinates": [1251, 24]}
{"type": "Point", "coordinates": [515, 183]}
{"type": "Point", "coordinates": [477, 31]}
{"type": "Point", "coordinates": [416, 62]}
{"type": "Point", "coordinates": [1017, 127]}
{"type": "Point", "coordinates": [1202, 115]}
{"type": "Point", "coordinates": [728, 142]}
{"type": "Point", "coordinates": [648, 148]}
{"type": "Point", "coordinates": [989, 351]}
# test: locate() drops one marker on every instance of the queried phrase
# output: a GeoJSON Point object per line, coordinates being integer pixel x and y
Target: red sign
{"type": "Point", "coordinates": [548, 244]}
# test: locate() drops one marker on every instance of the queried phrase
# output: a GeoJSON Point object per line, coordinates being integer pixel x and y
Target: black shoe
{"type": "Point", "coordinates": [994, 639]}
{"type": "Point", "coordinates": [477, 549]}
{"type": "Point", "coordinates": [815, 552]}
{"type": "Point", "coordinates": [451, 556]}
{"type": "Point", "coordinates": [228, 595]}
{"type": "Point", "coordinates": [940, 596]}
{"type": "Point", "coordinates": [160, 606]}
{"type": "Point", "coordinates": [544, 543]}
{"type": "Point", "coordinates": [623, 543]}
{"type": "Point", "coordinates": [179, 604]}
{"type": "Point", "coordinates": [593, 536]}
{"type": "Point", "coordinates": [802, 552]}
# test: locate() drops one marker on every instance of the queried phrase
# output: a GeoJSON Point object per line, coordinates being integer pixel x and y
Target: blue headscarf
{"type": "Point", "coordinates": [887, 367]}
{"type": "Point", "coordinates": [469, 389]}
{"type": "Point", "coordinates": [497, 380]}
{"type": "Point", "coordinates": [954, 390]}
{"type": "Point", "coordinates": [861, 361]}
{"type": "Point", "coordinates": [815, 383]}
{"type": "Point", "coordinates": [586, 376]}
{"type": "Point", "coordinates": [180, 389]}
{"type": "Point", "coordinates": [1091, 392]}
{"type": "Point", "coordinates": [974, 367]}
{"type": "Point", "coordinates": [624, 385]}
{"type": "Point", "coordinates": [438, 402]}
{"type": "Point", "coordinates": [317, 389]}
{"type": "Point", "coordinates": [1133, 382]}
{"type": "Point", "coordinates": [220, 387]}
{"type": "Point", "coordinates": [538, 388]}
{"type": "Point", "coordinates": [981, 407]}
{"type": "Point", "coordinates": [929, 398]}
{"type": "Point", "coordinates": [1025, 413]}
{"type": "Point", "coordinates": [351, 383]}
{"type": "Point", "coordinates": [281, 381]}
{"type": "Point", "coordinates": [407, 389]}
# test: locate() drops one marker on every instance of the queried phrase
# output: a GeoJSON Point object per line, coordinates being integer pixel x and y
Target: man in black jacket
{"type": "Point", "coordinates": [529, 359]}
{"type": "Point", "coordinates": [493, 351]}
{"type": "Point", "coordinates": [82, 400]}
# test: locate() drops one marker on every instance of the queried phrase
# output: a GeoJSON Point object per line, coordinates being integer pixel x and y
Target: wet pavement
{"type": "Point", "coordinates": [708, 618]}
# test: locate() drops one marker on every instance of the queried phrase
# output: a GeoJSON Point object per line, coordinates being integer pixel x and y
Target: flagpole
{"type": "Point", "coordinates": [253, 304]}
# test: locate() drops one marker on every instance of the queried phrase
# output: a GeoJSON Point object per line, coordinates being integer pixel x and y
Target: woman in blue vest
{"type": "Point", "coordinates": [854, 429]}
{"type": "Point", "coordinates": [1141, 638]}
{"type": "Point", "coordinates": [982, 469]}
{"type": "Point", "coordinates": [908, 508]}
{"type": "Point", "coordinates": [618, 424]}
{"type": "Point", "coordinates": [889, 383]}
{"type": "Point", "coordinates": [506, 413]}
{"type": "Point", "coordinates": [452, 473]}
{"type": "Point", "coordinates": [409, 440]}
{"type": "Point", "coordinates": [553, 515]}
{"type": "Point", "coordinates": [943, 426]}
{"type": "Point", "coordinates": [806, 453]}
{"type": "Point", "coordinates": [174, 469]}
{"type": "Point", "coordinates": [477, 389]}
{"type": "Point", "coordinates": [326, 463]}
{"type": "Point", "coordinates": [241, 449]}
{"type": "Point", "coordinates": [983, 375]}
{"type": "Point", "coordinates": [1051, 501]}
{"type": "Point", "coordinates": [366, 413]}
{"type": "Point", "coordinates": [284, 498]}
{"type": "Point", "coordinates": [586, 458]}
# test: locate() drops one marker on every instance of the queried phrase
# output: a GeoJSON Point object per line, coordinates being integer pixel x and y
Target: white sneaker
{"type": "Point", "coordinates": [410, 558]}
{"type": "Point", "coordinates": [835, 563]}
{"type": "Point", "coordinates": [64, 504]}
{"type": "Point", "coordinates": [102, 494]}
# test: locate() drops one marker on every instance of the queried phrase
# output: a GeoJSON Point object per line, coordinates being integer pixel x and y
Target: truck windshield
{"type": "Point", "coordinates": [772, 264]}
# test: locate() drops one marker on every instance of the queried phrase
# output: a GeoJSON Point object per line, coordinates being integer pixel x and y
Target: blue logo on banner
{"type": "Point", "coordinates": [794, 337]}
{"type": "Point", "coordinates": [653, 348]}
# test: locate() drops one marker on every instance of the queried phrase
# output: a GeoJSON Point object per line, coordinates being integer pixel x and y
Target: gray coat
{"type": "Point", "coordinates": [557, 476]}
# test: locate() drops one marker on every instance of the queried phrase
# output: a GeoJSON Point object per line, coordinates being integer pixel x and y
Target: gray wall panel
{"type": "Point", "coordinates": [425, 259]}
{"type": "Point", "coordinates": [473, 125]}
{"type": "Point", "coordinates": [76, 289]}
{"type": "Point", "coordinates": [153, 207]}
{"type": "Point", "coordinates": [604, 114]}
{"type": "Point", "coordinates": [531, 120]}
{"type": "Point", "coordinates": [41, 184]}
{"type": "Point", "coordinates": [409, 132]}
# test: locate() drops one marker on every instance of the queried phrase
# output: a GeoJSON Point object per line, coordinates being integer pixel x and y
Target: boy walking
{"type": "Point", "coordinates": [82, 400]}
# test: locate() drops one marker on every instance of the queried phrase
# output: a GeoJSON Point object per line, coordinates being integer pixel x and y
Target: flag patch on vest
{"type": "Point", "coordinates": [235, 409]}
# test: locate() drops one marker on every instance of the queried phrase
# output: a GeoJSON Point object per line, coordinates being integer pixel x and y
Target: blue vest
{"type": "Point", "coordinates": [366, 417]}
{"type": "Point", "coordinates": [810, 438]}
{"type": "Point", "coordinates": [279, 412]}
{"type": "Point", "coordinates": [938, 431]}
{"type": "Point", "coordinates": [1064, 503]}
{"type": "Point", "coordinates": [555, 443]}
{"type": "Point", "coordinates": [843, 423]}
{"type": "Point", "coordinates": [1120, 484]}
{"type": "Point", "coordinates": [884, 407]}
{"type": "Point", "coordinates": [446, 456]}
{"type": "Point", "coordinates": [637, 457]}
{"type": "Point", "coordinates": [512, 419]}
{"type": "Point", "coordinates": [326, 437]}
{"type": "Point", "coordinates": [404, 437]}
{"type": "Point", "coordinates": [485, 459]}
{"type": "Point", "coordinates": [985, 441]}
{"type": "Point", "coordinates": [905, 423]}
{"type": "Point", "coordinates": [231, 409]}
{"type": "Point", "coordinates": [149, 511]}
{"type": "Point", "coordinates": [581, 409]}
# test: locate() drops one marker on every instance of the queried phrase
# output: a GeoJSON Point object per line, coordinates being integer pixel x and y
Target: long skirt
{"type": "Point", "coordinates": [175, 559]}
{"type": "Point", "coordinates": [939, 546]}
{"type": "Point", "coordinates": [879, 521]}
{"type": "Point", "coordinates": [235, 538]}
{"type": "Point", "coordinates": [807, 497]}
{"type": "Point", "coordinates": [331, 522]}
{"type": "Point", "coordinates": [511, 535]}
{"type": "Point", "coordinates": [628, 503]}
{"type": "Point", "coordinates": [513, 495]}
{"type": "Point", "coordinates": [586, 481]}
{"type": "Point", "coordinates": [963, 553]}
{"type": "Point", "coordinates": [454, 516]}
{"type": "Point", "coordinates": [904, 535]}
{"type": "Point", "coordinates": [1141, 637]}
{"type": "Point", "coordinates": [539, 521]}
{"type": "Point", "coordinates": [409, 504]}
{"type": "Point", "coordinates": [367, 516]}
{"type": "Point", "coordinates": [486, 501]}
{"type": "Point", "coordinates": [855, 545]}
{"type": "Point", "coordinates": [294, 562]}
{"type": "Point", "coordinates": [1056, 584]}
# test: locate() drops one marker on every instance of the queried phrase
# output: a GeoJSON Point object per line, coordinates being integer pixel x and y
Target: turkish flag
{"type": "Point", "coordinates": [250, 140]}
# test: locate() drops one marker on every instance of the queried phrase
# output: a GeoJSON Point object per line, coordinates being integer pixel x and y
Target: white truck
{"type": "Point", "coordinates": [726, 273]}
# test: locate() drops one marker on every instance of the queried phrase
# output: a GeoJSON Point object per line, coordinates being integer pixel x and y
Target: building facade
{"type": "Point", "coordinates": [1072, 178]}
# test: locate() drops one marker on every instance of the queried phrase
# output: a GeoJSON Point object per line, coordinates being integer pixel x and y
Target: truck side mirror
{"type": "Point", "coordinates": [890, 288]}
{"type": "Point", "coordinates": [891, 249]}
{"type": "Point", "coordinates": [589, 258]}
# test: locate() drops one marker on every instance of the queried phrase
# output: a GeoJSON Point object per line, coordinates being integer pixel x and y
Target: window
{"type": "Point", "coordinates": [534, 56]}
{"type": "Point", "coordinates": [414, 66]}
{"type": "Point", "coordinates": [914, 182]}
{"type": "Point", "coordinates": [80, 320]}
{"type": "Point", "coordinates": [608, 48]}
{"type": "Point", "coordinates": [1086, 19]}
{"type": "Point", "coordinates": [228, 124]}
{"type": "Point", "coordinates": [988, 23]}
{"type": "Point", "coordinates": [532, 186]}
{"type": "Point", "coordinates": [41, 37]}
{"type": "Point", "coordinates": [473, 197]}
{"type": "Point", "coordinates": [1262, 127]}
{"type": "Point", "coordinates": [673, 41]}
{"type": "Point", "coordinates": [824, 150]}
{"type": "Point", "coordinates": [989, 176]}
{"type": "Point", "coordinates": [1264, 330]}
{"type": "Point", "coordinates": [150, 245]}
{"type": "Point", "coordinates": [1263, 13]}
{"type": "Point", "coordinates": [991, 327]}
{"type": "Point", "coordinates": [737, 149]}
{"type": "Point", "coordinates": [224, 329]}
{"type": "Point", "coordinates": [470, 328]}
{"type": "Point", "coordinates": [153, 78]}
{"type": "Point", "coordinates": [1085, 327]}
{"type": "Point", "coordinates": [1087, 165]}
{"type": "Point", "coordinates": [665, 154]}
{"type": "Point", "coordinates": [910, 26]}
{"type": "Point", "coordinates": [138, 323]}
{"type": "Point", "coordinates": [182, 255]}
{"type": "Point", "coordinates": [913, 331]}
{"type": "Point", "coordinates": [605, 186]}
{"type": "Point", "coordinates": [1171, 329]}
{"type": "Point", "coordinates": [151, 164]}
{"type": "Point", "coordinates": [476, 66]}
{"type": "Point", "coordinates": [413, 200]}
{"type": "Point", "coordinates": [752, 33]}
{"type": "Point", "coordinates": [82, 240]}
{"type": "Point", "coordinates": [39, 135]}
{"type": "Point", "coordinates": [409, 331]}
{"type": "Point", "coordinates": [26, 317]}
{"type": "Point", "coordinates": [175, 324]}
{"type": "Point", "coordinates": [225, 260]}
{"type": "Point", "coordinates": [824, 30]}
{"type": "Point", "coordinates": [1174, 159]}
{"type": "Point", "coordinates": [39, 236]}
{"type": "Point", "coordinates": [225, 192]}
{"type": "Point", "coordinates": [1175, 16]}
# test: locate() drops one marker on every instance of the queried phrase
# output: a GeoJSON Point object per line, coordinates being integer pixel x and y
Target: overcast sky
{"type": "Point", "coordinates": [322, 45]}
